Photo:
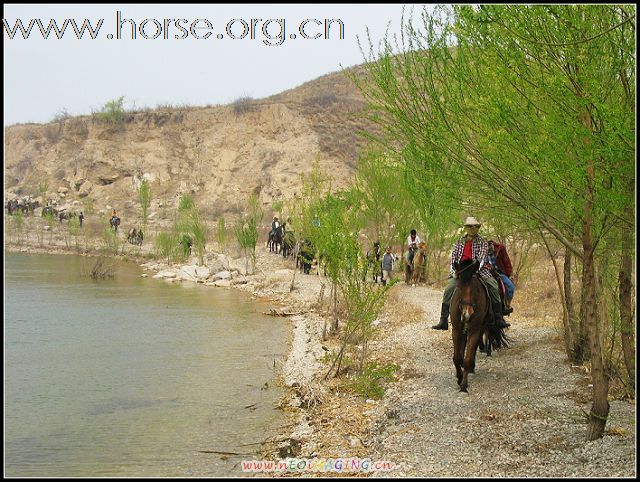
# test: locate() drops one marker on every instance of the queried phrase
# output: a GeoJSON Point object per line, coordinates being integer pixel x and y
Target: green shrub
{"type": "Point", "coordinates": [113, 111]}
{"type": "Point", "coordinates": [369, 384]}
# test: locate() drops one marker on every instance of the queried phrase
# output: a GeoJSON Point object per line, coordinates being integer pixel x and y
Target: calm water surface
{"type": "Point", "coordinates": [132, 376]}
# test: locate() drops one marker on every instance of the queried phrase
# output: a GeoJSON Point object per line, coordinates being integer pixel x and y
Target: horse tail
{"type": "Point", "coordinates": [497, 337]}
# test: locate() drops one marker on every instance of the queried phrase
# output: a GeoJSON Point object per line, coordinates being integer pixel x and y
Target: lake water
{"type": "Point", "coordinates": [131, 376]}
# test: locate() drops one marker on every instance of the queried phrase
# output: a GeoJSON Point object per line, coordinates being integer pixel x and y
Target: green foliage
{"type": "Point", "coordinates": [277, 207]}
{"type": "Point", "coordinates": [370, 383]}
{"type": "Point", "coordinates": [190, 226]}
{"type": "Point", "coordinates": [110, 240]}
{"type": "Point", "coordinates": [49, 221]}
{"type": "Point", "coordinates": [74, 229]}
{"type": "Point", "coordinates": [144, 195]}
{"type": "Point", "coordinates": [113, 111]}
{"type": "Point", "coordinates": [186, 203]}
{"type": "Point", "coordinates": [246, 228]}
{"type": "Point", "coordinates": [523, 116]}
{"type": "Point", "coordinates": [166, 245]}
{"type": "Point", "coordinates": [88, 206]}
{"type": "Point", "coordinates": [199, 232]}
{"type": "Point", "coordinates": [18, 223]}
{"type": "Point", "coordinates": [43, 187]}
{"type": "Point", "coordinates": [221, 233]}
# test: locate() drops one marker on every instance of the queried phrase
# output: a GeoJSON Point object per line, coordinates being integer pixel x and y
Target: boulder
{"type": "Point", "coordinates": [85, 189]}
{"type": "Point", "coordinates": [219, 263]}
{"type": "Point", "coordinates": [240, 265]}
{"type": "Point", "coordinates": [187, 272]}
{"type": "Point", "coordinates": [62, 190]}
{"type": "Point", "coordinates": [165, 275]}
{"type": "Point", "coordinates": [202, 272]}
{"type": "Point", "coordinates": [223, 275]}
{"type": "Point", "coordinates": [108, 179]}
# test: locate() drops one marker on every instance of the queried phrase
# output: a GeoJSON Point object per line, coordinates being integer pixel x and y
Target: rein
{"type": "Point", "coordinates": [465, 269]}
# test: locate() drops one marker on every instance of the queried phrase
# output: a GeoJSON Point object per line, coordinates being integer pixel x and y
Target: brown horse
{"type": "Point", "coordinates": [418, 263]}
{"type": "Point", "coordinates": [470, 318]}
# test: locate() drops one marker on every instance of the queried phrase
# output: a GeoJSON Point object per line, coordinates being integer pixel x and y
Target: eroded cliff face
{"type": "Point", "coordinates": [220, 154]}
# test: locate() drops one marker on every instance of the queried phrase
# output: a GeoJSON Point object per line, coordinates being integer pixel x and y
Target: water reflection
{"type": "Point", "coordinates": [131, 376]}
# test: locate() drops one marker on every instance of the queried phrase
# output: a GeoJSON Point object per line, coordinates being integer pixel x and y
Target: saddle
{"type": "Point", "coordinates": [506, 310]}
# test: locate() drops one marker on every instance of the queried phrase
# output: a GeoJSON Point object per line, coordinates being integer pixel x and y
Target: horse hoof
{"type": "Point", "coordinates": [463, 390]}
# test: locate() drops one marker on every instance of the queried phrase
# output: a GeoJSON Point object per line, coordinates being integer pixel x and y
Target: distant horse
{"type": "Point", "coordinates": [65, 215]}
{"type": "Point", "coordinates": [373, 259]}
{"type": "Point", "coordinates": [305, 256]}
{"type": "Point", "coordinates": [278, 238]}
{"type": "Point", "coordinates": [135, 236]}
{"type": "Point", "coordinates": [49, 211]}
{"type": "Point", "coordinates": [288, 243]}
{"type": "Point", "coordinates": [418, 264]}
{"type": "Point", "coordinates": [186, 242]}
{"type": "Point", "coordinates": [270, 239]}
{"type": "Point", "coordinates": [12, 206]}
{"type": "Point", "coordinates": [114, 222]}
{"type": "Point", "coordinates": [470, 318]}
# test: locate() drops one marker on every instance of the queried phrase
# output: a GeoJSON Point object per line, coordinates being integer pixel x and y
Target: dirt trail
{"type": "Point", "coordinates": [522, 416]}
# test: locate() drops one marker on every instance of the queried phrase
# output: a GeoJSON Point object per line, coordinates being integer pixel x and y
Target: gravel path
{"type": "Point", "coordinates": [522, 416]}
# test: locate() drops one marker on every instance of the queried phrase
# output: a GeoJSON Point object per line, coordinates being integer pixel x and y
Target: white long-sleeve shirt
{"type": "Point", "coordinates": [416, 241]}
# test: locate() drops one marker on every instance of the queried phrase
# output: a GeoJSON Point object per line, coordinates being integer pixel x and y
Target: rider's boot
{"type": "Point", "coordinates": [498, 318]}
{"type": "Point", "coordinates": [444, 316]}
{"type": "Point", "coordinates": [507, 308]}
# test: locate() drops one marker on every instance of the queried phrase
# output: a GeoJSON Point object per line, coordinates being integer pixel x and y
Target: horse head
{"type": "Point", "coordinates": [466, 269]}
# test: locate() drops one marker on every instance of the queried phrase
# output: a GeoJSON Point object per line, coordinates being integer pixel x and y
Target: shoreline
{"type": "Point", "coordinates": [522, 411]}
{"type": "Point", "coordinates": [301, 364]}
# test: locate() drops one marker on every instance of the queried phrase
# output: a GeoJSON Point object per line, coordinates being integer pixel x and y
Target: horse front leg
{"type": "Point", "coordinates": [472, 348]}
{"type": "Point", "coordinates": [470, 359]}
{"type": "Point", "coordinates": [458, 350]}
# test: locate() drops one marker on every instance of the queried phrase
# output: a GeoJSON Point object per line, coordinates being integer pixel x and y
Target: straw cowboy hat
{"type": "Point", "coordinates": [471, 221]}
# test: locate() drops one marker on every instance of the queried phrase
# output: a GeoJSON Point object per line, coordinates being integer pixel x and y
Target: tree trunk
{"type": "Point", "coordinates": [571, 308]}
{"type": "Point", "coordinates": [600, 407]}
{"type": "Point", "coordinates": [334, 327]}
{"type": "Point", "coordinates": [566, 321]}
{"type": "Point", "coordinates": [625, 297]}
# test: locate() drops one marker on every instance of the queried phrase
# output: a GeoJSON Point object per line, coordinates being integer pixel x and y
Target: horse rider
{"type": "Point", "coordinates": [275, 224]}
{"type": "Point", "coordinates": [498, 260]}
{"type": "Point", "coordinates": [471, 246]}
{"type": "Point", "coordinates": [413, 240]}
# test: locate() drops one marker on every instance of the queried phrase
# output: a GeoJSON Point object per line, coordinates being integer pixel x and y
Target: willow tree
{"type": "Point", "coordinates": [396, 202]}
{"type": "Point", "coordinates": [530, 110]}
{"type": "Point", "coordinates": [144, 195]}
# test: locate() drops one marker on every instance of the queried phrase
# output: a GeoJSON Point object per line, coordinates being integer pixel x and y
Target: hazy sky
{"type": "Point", "coordinates": [43, 77]}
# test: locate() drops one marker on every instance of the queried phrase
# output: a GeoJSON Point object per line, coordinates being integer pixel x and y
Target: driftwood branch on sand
{"type": "Point", "coordinates": [275, 312]}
